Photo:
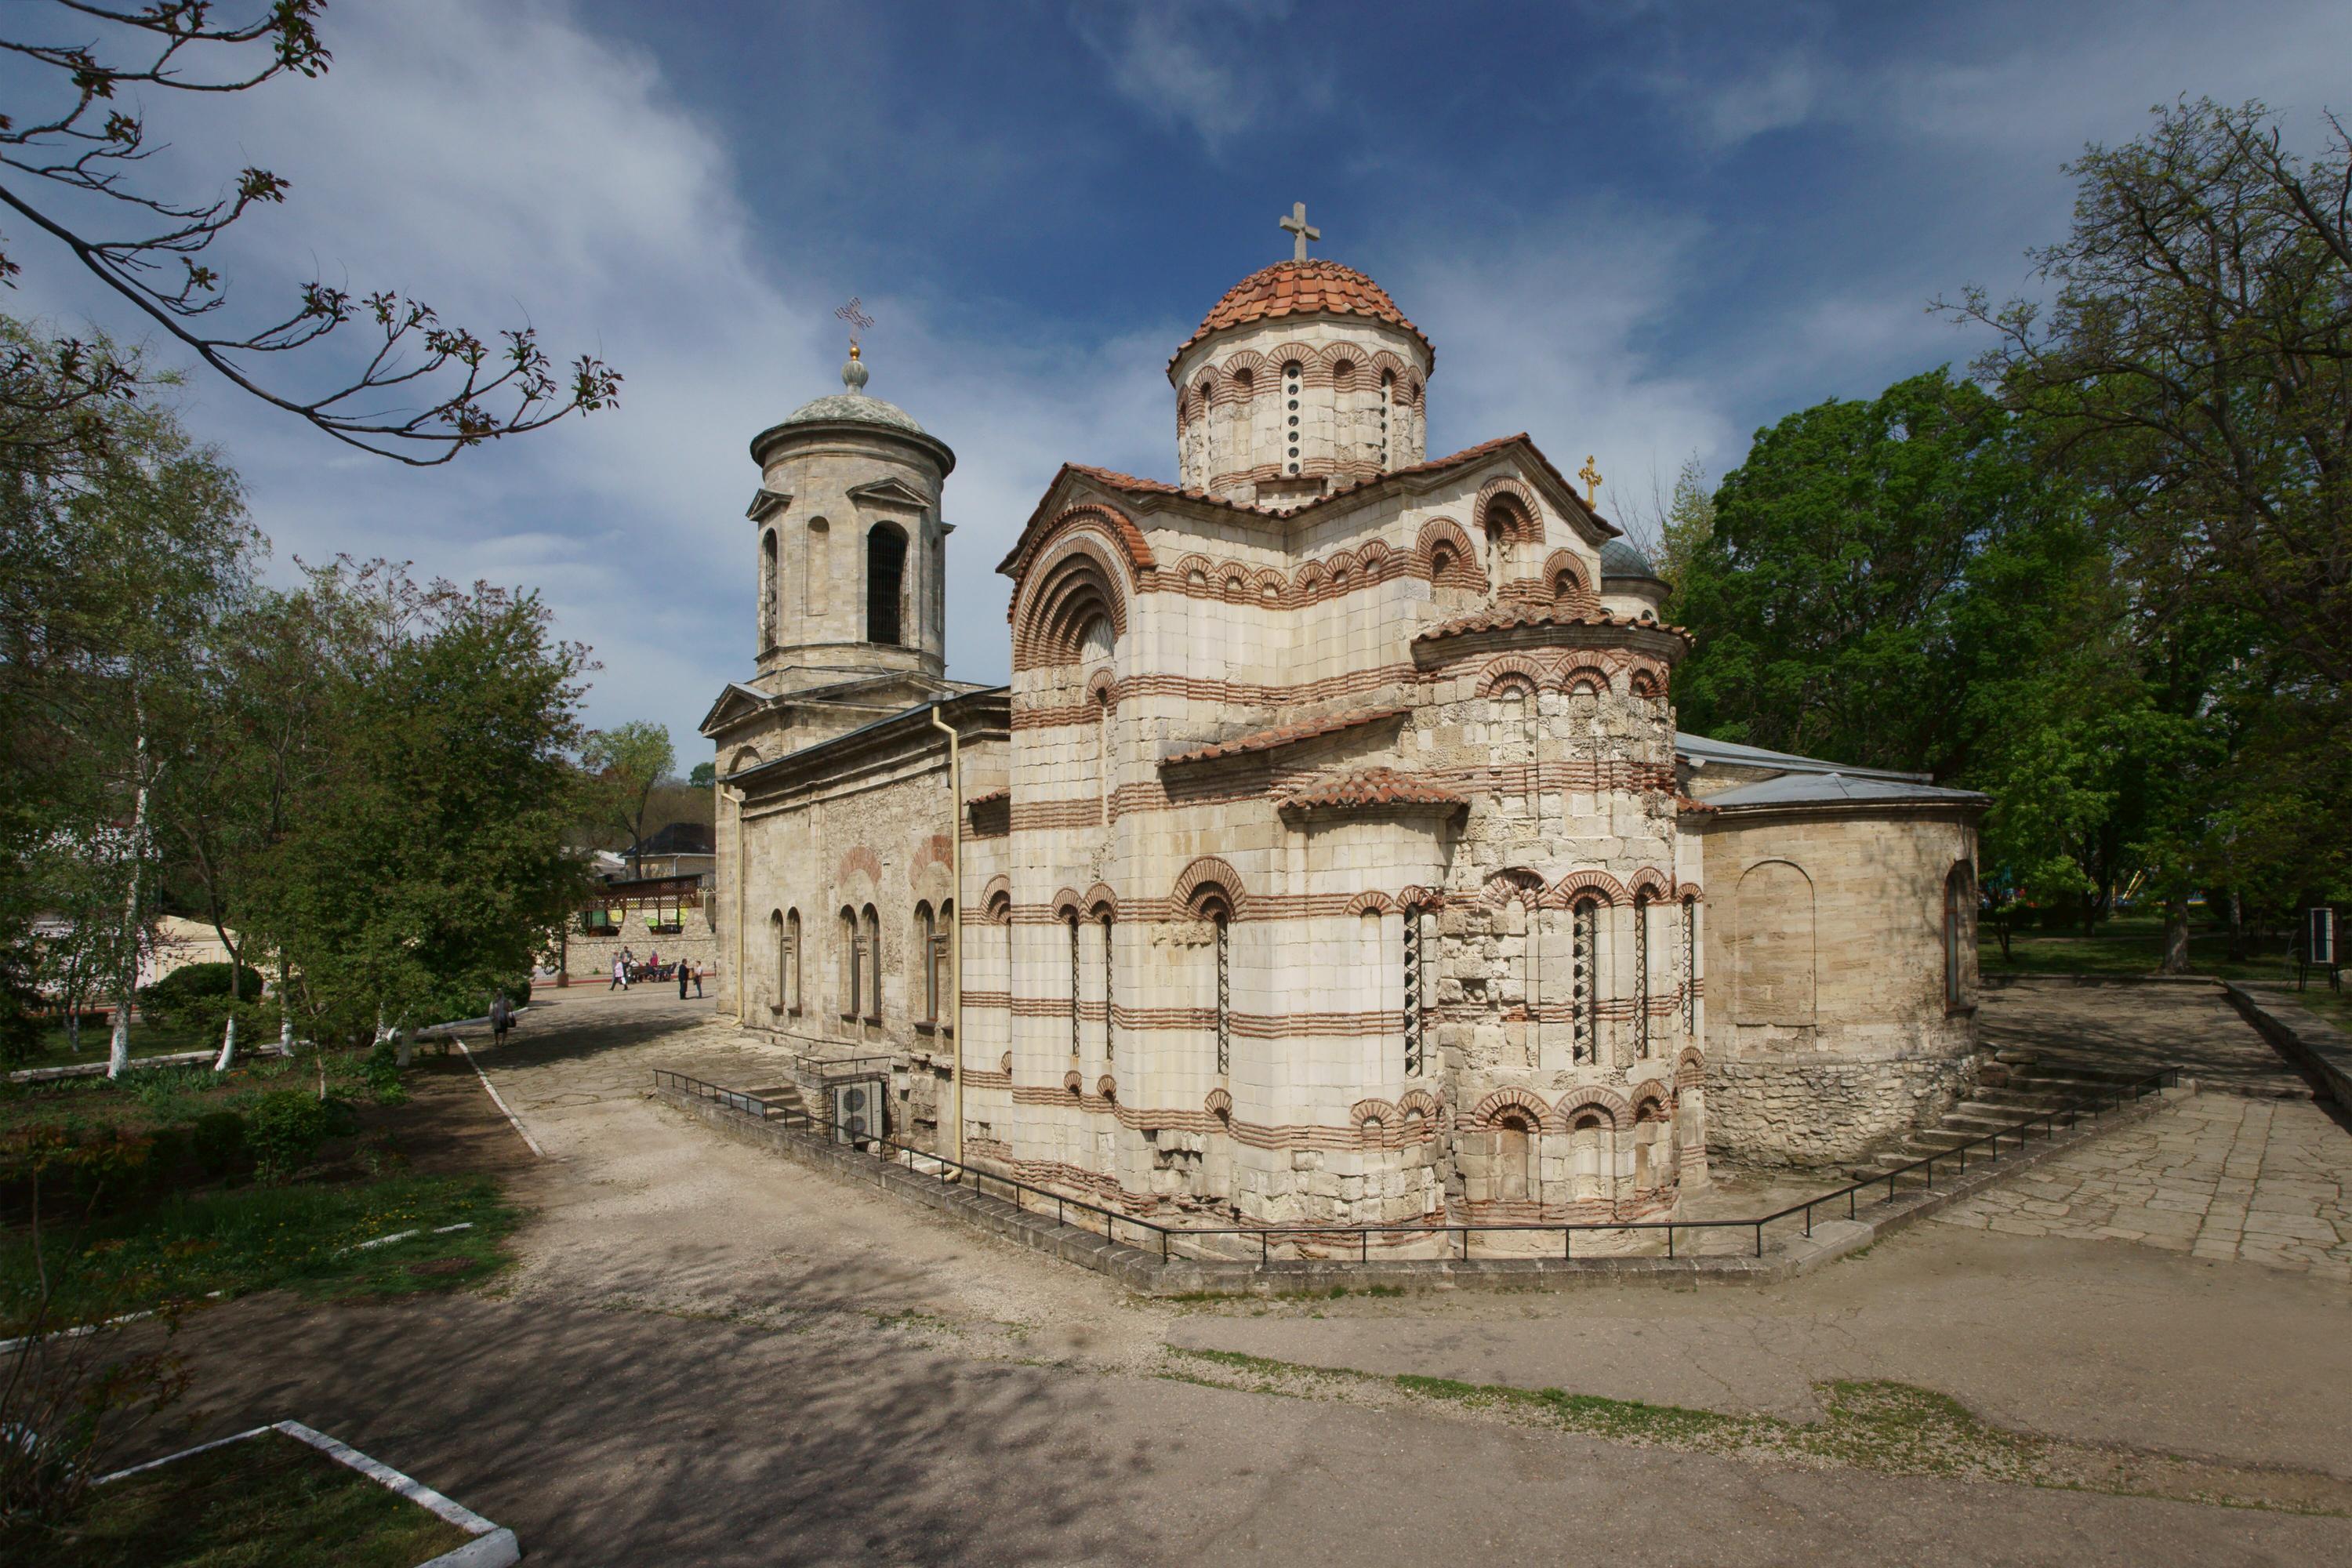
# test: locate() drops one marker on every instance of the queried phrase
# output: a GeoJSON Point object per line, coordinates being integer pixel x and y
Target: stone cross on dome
{"type": "Point", "coordinates": [1301, 229]}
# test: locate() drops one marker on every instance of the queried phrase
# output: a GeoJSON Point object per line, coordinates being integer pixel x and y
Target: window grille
{"type": "Point", "coordinates": [1415, 1022]}
{"type": "Point", "coordinates": [1074, 987]}
{"type": "Point", "coordinates": [1642, 977]}
{"type": "Point", "coordinates": [1690, 966]}
{"type": "Point", "coordinates": [1585, 989]}
{"type": "Point", "coordinates": [1225, 997]}
{"type": "Point", "coordinates": [1110, 1040]}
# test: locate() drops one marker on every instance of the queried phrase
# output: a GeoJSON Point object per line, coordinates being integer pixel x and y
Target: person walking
{"type": "Point", "coordinates": [620, 974]}
{"type": "Point", "coordinates": [501, 1018]}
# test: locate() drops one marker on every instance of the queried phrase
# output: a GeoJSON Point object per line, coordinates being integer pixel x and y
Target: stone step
{"type": "Point", "coordinates": [2016, 1058]}
{"type": "Point", "coordinates": [2021, 1101]}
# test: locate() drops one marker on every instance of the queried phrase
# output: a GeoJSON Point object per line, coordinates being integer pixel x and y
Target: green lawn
{"type": "Point", "coordinates": [270, 1502]}
{"type": "Point", "coordinates": [175, 1093]}
{"type": "Point", "coordinates": [238, 1240]}
{"type": "Point", "coordinates": [2137, 947]}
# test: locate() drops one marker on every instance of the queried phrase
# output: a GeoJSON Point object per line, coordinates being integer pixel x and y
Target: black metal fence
{"type": "Point", "coordinates": [1988, 1147]}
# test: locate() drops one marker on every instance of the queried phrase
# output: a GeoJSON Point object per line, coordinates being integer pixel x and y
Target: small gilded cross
{"type": "Point", "coordinates": [1591, 475]}
{"type": "Point", "coordinates": [1300, 229]}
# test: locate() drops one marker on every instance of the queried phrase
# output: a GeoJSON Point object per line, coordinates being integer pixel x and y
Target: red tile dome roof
{"type": "Point", "coordinates": [1308, 288]}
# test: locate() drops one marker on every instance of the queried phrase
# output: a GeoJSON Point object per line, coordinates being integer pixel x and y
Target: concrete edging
{"type": "Point", "coordinates": [493, 1546]}
{"type": "Point", "coordinates": [2310, 1043]}
{"type": "Point", "coordinates": [1789, 1252]}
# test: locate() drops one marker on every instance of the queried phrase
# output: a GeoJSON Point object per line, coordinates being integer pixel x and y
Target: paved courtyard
{"type": "Point", "coordinates": [706, 1354]}
{"type": "Point", "coordinates": [2215, 1175]}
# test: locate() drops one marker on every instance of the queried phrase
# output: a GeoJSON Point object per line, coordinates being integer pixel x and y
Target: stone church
{"type": "Point", "coordinates": [1332, 857]}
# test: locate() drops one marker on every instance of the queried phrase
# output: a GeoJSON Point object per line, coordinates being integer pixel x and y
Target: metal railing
{"type": "Point", "coordinates": [2049, 1123]}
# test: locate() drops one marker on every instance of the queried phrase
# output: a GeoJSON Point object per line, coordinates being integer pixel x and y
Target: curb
{"type": "Point", "coordinates": [2312, 1044]}
{"type": "Point", "coordinates": [1787, 1256]}
{"type": "Point", "coordinates": [493, 1546]}
{"type": "Point", "coordinates": [2002, 981]}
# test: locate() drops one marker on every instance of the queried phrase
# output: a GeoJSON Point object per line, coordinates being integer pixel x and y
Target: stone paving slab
{"type": "Point", "coordinates": [2134, 1029]}
{"type": "Point", "coordinates": [2218, 1176]}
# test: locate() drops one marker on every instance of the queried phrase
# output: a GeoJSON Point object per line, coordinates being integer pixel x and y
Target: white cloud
{"type": "Point", "coordinates": [1217, 70]}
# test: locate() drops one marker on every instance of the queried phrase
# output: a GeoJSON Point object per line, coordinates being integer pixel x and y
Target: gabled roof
{"type": "Point", "coordinates": [1281, 735]}
{"type": "Point", "coordinates": [1372, 788]}
{"type": "Point", "coordinates": [1705, 749]}
{"type": "Point", "coordinates": [1152, 492]}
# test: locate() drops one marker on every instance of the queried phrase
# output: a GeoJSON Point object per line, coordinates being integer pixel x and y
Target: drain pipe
{"type": "Point", "coordinates": [742, 895]}
{"type": "Point", "coordinates": [955, 927]}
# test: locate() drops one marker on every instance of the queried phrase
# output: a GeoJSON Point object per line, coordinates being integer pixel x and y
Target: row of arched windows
{"type": "Point", "coordinates": [886, 582]}
{"type": "Point", "coordinates": [859, 939]}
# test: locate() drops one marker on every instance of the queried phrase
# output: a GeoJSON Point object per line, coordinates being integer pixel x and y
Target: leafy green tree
{"type": "Point", "coordinates": [1877, 579]}
{"type": "Point", "coordinates": [629, 760]}
{"type": "Point", "coordinates": [424, 861]}
{"type": "Point", "coordinates": [704, 776]}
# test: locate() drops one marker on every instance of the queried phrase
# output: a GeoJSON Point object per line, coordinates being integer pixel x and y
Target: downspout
{"type": "Point", "coordinates": [955, 927]}
{"type": "Point", "coordinates": [743, 891]}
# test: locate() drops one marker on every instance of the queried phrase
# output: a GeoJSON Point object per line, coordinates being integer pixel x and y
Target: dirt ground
{"type": "Point", "coordinates": [706, 1354]}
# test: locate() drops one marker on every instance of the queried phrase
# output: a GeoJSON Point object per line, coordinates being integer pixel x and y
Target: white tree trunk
{"type": "Point", "coordinates": [117, 1059]}
{"type": "Point", "coordinates": [228, 1047]}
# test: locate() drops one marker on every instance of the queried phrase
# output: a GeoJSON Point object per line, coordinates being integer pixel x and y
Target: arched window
{"type": "Point", "coordinates": [1642, 975]}
{"type": "Point", "coordinates": [943, 966]}
{"type": "Point", "coordinates": [815, 585]}
{"type": "Point", "coordinates": [885, 571]}
{"type": "Point", "coordinates": [1416, 993]}
{"type": "Point", "coordinates": [850, 975]}
{"type": "Point", "coordinates": [771, 586]}
{"type": "Point", "coordinates": [791, 978]}
{"type": "Point", "coordinates": [1690, 964]}
{"type": "Point", "coordinates": [1587, 1158]}
{"type": "Point", "coordinates": [1960, 891]}
{"type": "Point", "coordinates": [1072, 920]}
{"type": "Point", "coordinates": [927, 932]}
{"type": "Point", "coordinates": [1584, 995]}
{"type": "Point", "coordinates": [1110, 995]}
{"type": "Point", "coordinates": [872, 965]}
{"type": "Point", "coordinates": [1221, 923]}
{"type": "Point", "coordinates": [1515, 1180]}
{"type": "Point", "coordinates": [1388, 407]}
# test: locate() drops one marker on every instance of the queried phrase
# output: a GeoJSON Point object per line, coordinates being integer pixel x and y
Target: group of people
{"type": "Point", "coordinates": [626, 970]}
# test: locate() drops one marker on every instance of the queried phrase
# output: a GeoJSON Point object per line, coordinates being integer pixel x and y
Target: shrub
{"type": "Point", "coordinates": [380, 1070]}
{"type": "Point", "coordinates": [178, 999]}
{"type": "Point", "coordinates": [285, 1129]}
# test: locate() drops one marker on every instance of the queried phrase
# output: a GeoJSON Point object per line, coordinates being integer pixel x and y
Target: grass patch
{"type": "Point", "coordinates": [302, 1238]}
{"type": "Point", "coordinates": [268, 1501]}
{"type": "Point", "coordinates": [1893, 1429]}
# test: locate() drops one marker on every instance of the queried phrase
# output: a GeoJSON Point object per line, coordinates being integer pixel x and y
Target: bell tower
{"type": "Point", "coordinates": [851, 552]}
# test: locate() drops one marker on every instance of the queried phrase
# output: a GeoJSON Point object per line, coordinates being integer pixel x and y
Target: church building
{"type": "Point", "coordinates": [1332, 857]}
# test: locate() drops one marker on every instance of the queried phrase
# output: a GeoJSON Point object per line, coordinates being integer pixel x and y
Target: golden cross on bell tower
{"type": "Point", "coordinates": [1591, 478]}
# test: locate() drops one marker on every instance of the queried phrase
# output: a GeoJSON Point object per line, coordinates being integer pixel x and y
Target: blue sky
{"type": "Point", "coordinates": [1634, 230]}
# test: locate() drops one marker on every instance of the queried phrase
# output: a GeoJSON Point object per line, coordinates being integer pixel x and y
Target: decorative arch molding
{"type": "Point", "coordinates": [1582, 671]}
{"type": "Point", "coordinates": [860, 860]}
{"type": "Point", "coordinates": [1416, 897]}
{"type": "Point", "coordinates": [1206, 877]}
{"type": "Point", "coordinates": [1217, 1102]}
{"type": "Point", "coordinates": [1512, 1098]}
{"type": "Point", "coordinates": [745, 757]}
{"type": "Point", "coordinates": [1370, 903]}
{"type": "Point", "coordinates": [1419, 1102]}
{"type": "Point", "coordinates": [1100, 900]}
{"type": "Point", "coordinates": [1237, 376]}
{"type": "Point", "coordinates": [1578, 885]}
{"type": "Point", "coordinates": [1061, 593]}
{"type": "Point", "coordinates": [1378, 1113]}
{"type": "Point", "coordinates": [1460, 568]}
{"type": "Point", "coordinates": [1107, 1087]}
{"type": "Point", "coordinates": [1651, 880]}
{"type": "Point", "coordinates": [1654, 1100]}
{"type": "Point", "coordinates": [997, 887]}
{"type": "Point", "coordinates": [1564, 578]}
{"type": "Point", "coordinates": [1593, 1097]}
{"type": "Point", "coordinates": [1066, 904]}
{"type": "Point", "coordinates": [1516, 670]}
{"type": "Point", "coordinates": [1513, 884]}
{"type": "Point", "coordinates": [1103, 687]}
{"type": "Point", "coordinates": [1690, 1069]}
{"type": "Point", "coordinates": [1073, 1082]}
{"type": "Point", "coordinates": [1524, 516]}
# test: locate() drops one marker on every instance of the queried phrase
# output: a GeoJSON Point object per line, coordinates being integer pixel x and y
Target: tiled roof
{"type": "Point", "coordinates": [1507, 616]}
{"type": "Point", "coordinates": [1371, 787]}
{"type": "Point", "coordinates": [989, 798]}
{"type": "Point", "coordinates": [1313, 288]}
{"type": "Point", "coordinates": [1283, 735]}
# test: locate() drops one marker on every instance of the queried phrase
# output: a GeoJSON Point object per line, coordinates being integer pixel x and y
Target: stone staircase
{"type": "Point", "coordinates": [2016, 1086]}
